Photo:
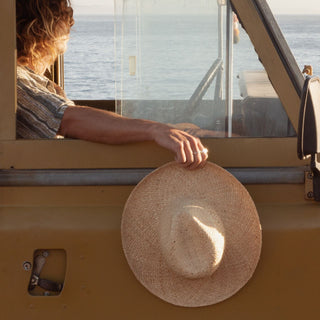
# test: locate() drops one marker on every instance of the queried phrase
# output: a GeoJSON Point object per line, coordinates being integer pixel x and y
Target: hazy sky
{"type": "Point", "coordinates": [295, 7]}
{"type": "Point", "coordinates": [277, 6]}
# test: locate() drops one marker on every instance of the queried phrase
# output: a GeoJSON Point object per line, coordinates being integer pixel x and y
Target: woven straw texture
{"type": "Point", "coordinates": [142, 231]}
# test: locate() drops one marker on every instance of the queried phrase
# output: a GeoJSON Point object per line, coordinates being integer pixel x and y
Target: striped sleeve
{"type": "Point", "coordinates": [39, 111]}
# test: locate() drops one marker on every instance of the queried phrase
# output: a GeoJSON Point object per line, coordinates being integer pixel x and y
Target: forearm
{"type": "Point", "coordinates": [103, 126]}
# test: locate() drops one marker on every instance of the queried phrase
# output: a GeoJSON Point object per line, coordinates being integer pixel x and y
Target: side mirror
{"type": "Point", "coordinates": [309, 120]}
{"type": "Point", "coordinates": [309, 129]}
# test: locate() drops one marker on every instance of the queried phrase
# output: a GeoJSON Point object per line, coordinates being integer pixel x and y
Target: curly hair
{"type": "Point", "coordinates": [40, 24]}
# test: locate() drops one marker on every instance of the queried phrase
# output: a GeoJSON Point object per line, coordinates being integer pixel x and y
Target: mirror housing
{"type": "Point", "coordinates": [309, 129]}
{"type": "Point", "coordinates": [309, 119]}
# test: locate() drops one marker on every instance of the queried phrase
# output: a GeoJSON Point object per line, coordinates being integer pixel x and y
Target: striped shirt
{"type": "Point", "coordinates": [40, 106]}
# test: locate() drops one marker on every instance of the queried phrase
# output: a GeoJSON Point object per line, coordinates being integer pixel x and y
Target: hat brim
{"type": "Point", "coordinates": [218, 189]}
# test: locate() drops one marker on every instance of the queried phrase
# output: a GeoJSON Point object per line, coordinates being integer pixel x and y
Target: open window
{"type": "Point", "coordinates": [203, 84]}
{"type": "Point", "coordinates": [89, 60]}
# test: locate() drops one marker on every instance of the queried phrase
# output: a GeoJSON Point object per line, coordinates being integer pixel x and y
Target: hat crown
{"type": "Point", "coordinates": [179, 226]}
{"type": "Point", "coordinates": [192, 240]}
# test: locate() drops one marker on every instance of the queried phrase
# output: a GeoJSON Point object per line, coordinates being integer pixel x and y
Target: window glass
{"type": "Point", "coordinates": [171, 62]}
{"type": "Point", "coordinates": [257, 109]}
{"type": "Point", "coordinates": [172, 67]}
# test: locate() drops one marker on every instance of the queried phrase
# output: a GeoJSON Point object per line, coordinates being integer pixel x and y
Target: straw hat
{"type": "Point", "coordinates": [192, 238]}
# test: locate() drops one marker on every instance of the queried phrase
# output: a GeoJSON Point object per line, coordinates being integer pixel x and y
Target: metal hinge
{"type": "Point", "coordinates": [312, 180]}
{"type": "Point", "coordinates": [308, 186]}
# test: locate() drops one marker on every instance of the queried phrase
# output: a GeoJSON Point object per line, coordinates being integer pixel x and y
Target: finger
{"type": "Point", "coordinates": [188, 153]}
{"type": "Point", "coordinates": [200, 154]}
{"type": "Point", "coordinates": [195, 153]}
{"type": "Point", "coordinates": [197, 160]}
{"type": "Point", "coordinates": [204, 151]}
{"type": "Point", "coordinates": [204, 154]}
{"type": "Point", "coordinates": [180, 156]}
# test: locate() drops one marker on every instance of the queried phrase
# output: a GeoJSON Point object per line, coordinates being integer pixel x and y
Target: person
{"type": "Point", "coordinates": [43, 109]}
{"type": "Point", "coordinates": [236, 30]}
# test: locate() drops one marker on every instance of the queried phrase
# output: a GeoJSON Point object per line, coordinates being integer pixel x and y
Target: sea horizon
{"type": "Point", "coordinates": [91, 71]}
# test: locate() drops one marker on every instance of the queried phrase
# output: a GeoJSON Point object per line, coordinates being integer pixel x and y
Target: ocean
{"type": "Point", "coordinates": [91, 69]}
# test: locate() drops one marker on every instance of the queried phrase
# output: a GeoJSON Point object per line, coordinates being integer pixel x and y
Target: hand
{"type": "Point", "coordinates": [188, 149]}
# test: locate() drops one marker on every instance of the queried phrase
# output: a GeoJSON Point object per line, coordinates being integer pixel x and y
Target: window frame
{"type": "Point", "coordinates": [76, 154]}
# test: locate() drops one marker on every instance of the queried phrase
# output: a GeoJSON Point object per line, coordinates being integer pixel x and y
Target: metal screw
{"type": "Point", "coordinates": [310, 195]}
{"type": "Point", "coordinates": [45, 254]}
{"type": "Point", "coordinates": [27, 266]}
{"type": "Point", "coordinates": [310, 176]}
